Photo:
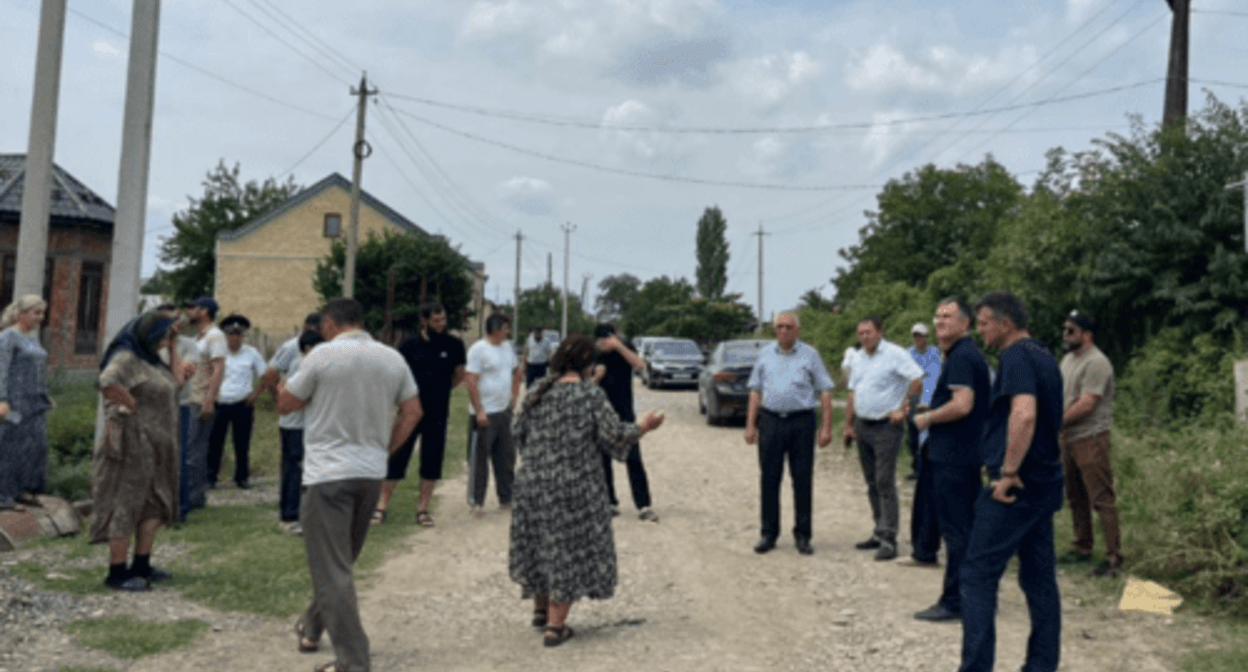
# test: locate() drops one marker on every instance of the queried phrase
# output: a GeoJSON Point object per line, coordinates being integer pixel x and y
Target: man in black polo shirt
{"type": "Point", "coordinates": [437, 362]}
{"type": "Point", "coordinates": [614, 372]}
{"type": "Point", "coordinates": [952, 462]}
{"type": "Point", "coordinates": [1015, 514]}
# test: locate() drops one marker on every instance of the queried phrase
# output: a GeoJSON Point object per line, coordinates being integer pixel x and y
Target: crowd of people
{"type": "Point", "coordinates": [351, 411]}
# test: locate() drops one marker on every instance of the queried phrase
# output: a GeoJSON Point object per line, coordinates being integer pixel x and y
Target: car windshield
{"type": "Point", "coordinates": [741, 355]}
{"type": "Point", "coordinates": [677, 349]}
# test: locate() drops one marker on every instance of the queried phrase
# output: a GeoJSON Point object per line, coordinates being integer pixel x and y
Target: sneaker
{"type": "Point", "coordinates": [868, 545]}
{"type": "Point", "coordinates": [132, 584]}
{"type": "Point", "coordinates": [886, 551]}
{"type": "Point", "coordinates": [1110, 568]}
{"type": "Point", "coordinates": [1071, 557]}
{"type": "Point", "coordinates": [647, 514]}
{"type": "Point", "coordinates": [937, 613]}
{"type": "Point", "coordinates": [291, 527]}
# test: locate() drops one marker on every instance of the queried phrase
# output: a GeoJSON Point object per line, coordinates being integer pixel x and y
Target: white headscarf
{"type": "Point", "coordinates": [21, 305]}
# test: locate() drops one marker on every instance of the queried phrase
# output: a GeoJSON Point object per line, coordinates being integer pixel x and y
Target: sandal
{"type": "Point", "coordinates": [556, 635]}
{"type": "Point", "coordinates": [306, 644]}
{"type": "Point", "coordinates": [379, 517]}
{"type": "Point", "coordinates": [539, 617]}
{"type": "Point", "coordinates": [423, 519]}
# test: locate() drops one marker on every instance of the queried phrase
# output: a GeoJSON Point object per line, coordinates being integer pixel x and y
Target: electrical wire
{"type": "Point", "coordinates": [289, 171]}
{"type": "Point", "coordinates": [325, 48]}
{"type": "Point", "coordinates": [288, 45]}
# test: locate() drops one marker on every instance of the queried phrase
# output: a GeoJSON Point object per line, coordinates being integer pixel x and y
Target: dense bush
{"type": "Point", "coordinates": [1175, 380]}
{"type": "Point", "coordinates": [71, 438]}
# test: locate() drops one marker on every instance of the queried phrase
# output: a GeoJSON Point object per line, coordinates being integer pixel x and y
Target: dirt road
{"type": "Point", "coordinates": [693, 595]}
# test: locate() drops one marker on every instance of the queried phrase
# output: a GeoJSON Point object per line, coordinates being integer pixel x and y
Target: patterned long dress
{"type": "Point", "coordinates": [23, 435]}
{"type": "Point", "coordinates": [561, 541]}
{"type": "Point", "coordinates": [135, 466]}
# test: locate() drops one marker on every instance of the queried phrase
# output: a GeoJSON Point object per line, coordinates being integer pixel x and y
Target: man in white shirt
{"type": "Point", "coordinates": [493, 379]}
{"type": "Point", "coordinates": [284, 363]}
{"type": "Point", "coordinates": [536, 356]}
{"type": "Point", "coordinates": [236, 402]}
{"type": "Point", "coordinates": [884, 386]}
{"type": "Point", "coordinates": [348, 387]}
{"type": "Point", "coordinates": [204, 385]}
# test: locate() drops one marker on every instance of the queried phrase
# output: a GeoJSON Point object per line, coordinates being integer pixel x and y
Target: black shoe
{"type": "Point", "coordinates": [886, 551]}
{"type": "Point", "coordinates": [804, 547]}
{"type": "Point", "coordinates": [764, 545]}
{"type": "Point", "coordinates": [868, 545]}
{"type": "Point", "coordinates": [1072, 557]}
{"type": "Point", "coordinates": [1110, 568]}
{"type": "Point", "coordinates": [132, 584]}
{"type": "Point", "coordinates": [937, 613]}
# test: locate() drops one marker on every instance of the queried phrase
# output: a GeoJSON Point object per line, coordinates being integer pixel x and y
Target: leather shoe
{"type": "Point", "coordinates": [804, 547]}
{"type": "Point", "coordinates": [937, 613]}
{"type": "Point", "coordinates": [868, 545]}
{"type": "Point", "coordinates": [886, 551]}
{"type": "Point", "coordinates": [764, 545]}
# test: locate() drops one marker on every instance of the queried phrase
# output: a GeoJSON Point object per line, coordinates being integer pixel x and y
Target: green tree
{"type": "Point", "coordinates": [712, 250]}
{"type": "Point", "coordinates": [543, 306]}
{"type": "Point", "coordinates": [704, 320]}
{"type": "Point", "coordinates": [617, 293]}
{"type": "Point", "coordinates": [646, 314]}
{"type": "Point", "coordinates": [927, 220]}
{"type": "Point", "coordinates": [227, 204]}
{"type": "Point", "coordinates": [426, 268]}
{"type": "Point", "coordinates": [813, 300]}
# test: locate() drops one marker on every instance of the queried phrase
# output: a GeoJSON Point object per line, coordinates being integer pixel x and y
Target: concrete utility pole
{"type": "Point", "coordinates": [515, 310]}
{"type": "Point", "coordinates": [32, 234]}
{"type": "Point", "coordinates": [550, 269]}
{"type": "Point", "coordinates": [585, 289]}
{"type": "Point", "coordinates": [361, 149]}
{"type": "Point", "coordinates": [1243, 185]}
{"type": "Point", "coordinates": [760, 235]}
{"type": "Point", "coordinates": [1175, 111]}
{"type": "Point", "coordinates": [567, 252]}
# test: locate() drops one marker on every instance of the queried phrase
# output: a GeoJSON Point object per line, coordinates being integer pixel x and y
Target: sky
{"type": "Point", "coordinates": [623, 118]}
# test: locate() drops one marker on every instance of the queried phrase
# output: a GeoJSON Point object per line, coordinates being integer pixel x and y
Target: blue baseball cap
{"type": "Point", "coordinates": [204, 302]}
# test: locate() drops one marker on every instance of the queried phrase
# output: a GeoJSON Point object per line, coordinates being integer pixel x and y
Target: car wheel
{"type": "Point", "coordinates": [712, 409]}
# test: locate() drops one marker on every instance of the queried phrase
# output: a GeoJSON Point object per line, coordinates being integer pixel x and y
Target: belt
{"type": "Point", "coordinates": [872, 423]}
{"type": "Point", "coordinates": [789, 414]}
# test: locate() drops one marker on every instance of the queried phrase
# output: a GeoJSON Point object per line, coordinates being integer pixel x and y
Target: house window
{"type": "Point", "coordinates": [9, 273]}
{"type": "Point", "coordinates": [87, 332]}
{"type": "Point", "coordinates": [333, 225]}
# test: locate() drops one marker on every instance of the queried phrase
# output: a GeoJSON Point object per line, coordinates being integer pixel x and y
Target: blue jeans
{"type": "Point", "coordinates": [292, 473]}
{"type": "Point", "coordinates": [954, 490]}
{"type": "Point", "coordinates": [191, 477]}
{"type": "Point", "coordinates": [999, 532]}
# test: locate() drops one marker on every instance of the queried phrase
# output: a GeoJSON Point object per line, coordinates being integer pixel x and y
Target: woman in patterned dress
{"type": "Point", "coordinates": [561, 543]}
{"type": "Point", "coordinates": [24, 403]}
{"type": "Point", "coordinates": [134, 482]}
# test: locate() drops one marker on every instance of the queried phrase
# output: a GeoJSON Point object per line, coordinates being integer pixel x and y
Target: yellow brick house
{"type": "Point", "coordinates": [265, 269]}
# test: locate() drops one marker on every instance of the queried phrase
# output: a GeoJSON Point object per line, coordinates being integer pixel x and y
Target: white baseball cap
{"type": "Point", "coordinates": [919, 328]}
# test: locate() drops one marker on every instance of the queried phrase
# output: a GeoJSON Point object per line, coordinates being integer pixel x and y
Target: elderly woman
{"type": "Point", "coordinates": [561, 544]}
{"type": "Point", "coordinates": [135, 467]}
{"type": "Point", "coordinates": [24, 403]}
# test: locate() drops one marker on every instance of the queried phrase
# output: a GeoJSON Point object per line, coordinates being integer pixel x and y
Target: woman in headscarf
{"type": "Point", "coordinates": [24, 403]}
{"type": "Point", "coordinates": [134, 481]}
{"type": "Point", "coordinates": [561, 544]}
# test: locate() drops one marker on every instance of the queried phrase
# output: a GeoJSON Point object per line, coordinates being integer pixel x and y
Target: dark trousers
{"type": "Point", "coordinates": [878, 445]}
{"type": "Point", "coordinates": [487, 445]}
{"type": "Point", "coordinates": [924, 525]}
{"type": "Point", "coordinates": [292, 473]}
{"type": "Point", "coordinates": [637, 480]}
{"type": "Point", "coordinates": [188, 417]}
{"type": "Point", "coordinates": [335, 523]}
{"type": "Point", "coordinates": [912, 442]}
{"type": "Point", "coordinates": [240, 417]}
{"type": "Point", "coordinates": [1000, 531]}
{"type": "Point", "coordinates": [954, 490]}
{"type": "Point", "coordinates": [533, 372]}
{"type": "Point", "coordinates": [1090, 485]}
{"type": "Point", "coordinates": [779, 437]}
{"type": "Point", "coordinates": [193, 479]}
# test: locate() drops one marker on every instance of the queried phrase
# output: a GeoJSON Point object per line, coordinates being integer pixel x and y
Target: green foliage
{"type": "Point", "coordinates": [703, 320]}
{"type": "Point", "coordinates": [426, 268]}
{"type": "Point", "coordinates": [617, 293]}
{"type": "Point", "coordinates": [899, 305]}
{"type": "Point", "coordinates": [813, 300]}
{"type": "Point", "coordinates": [1175, 380]}
{"type": "Point", "coordinates": [712, 251]}
{"type": "Point", "coordinates": [71, 438]}
{"type": "Point", "coordinates": [127, 637]}
{"type": "Point", "coordinates": [647, 312]}
{"type": "Point", "coordinates": [227, 204]}
{"type": "Point", "coordinates": [543, 306]}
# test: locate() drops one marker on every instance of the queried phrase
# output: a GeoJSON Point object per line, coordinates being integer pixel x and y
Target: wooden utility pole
{"type": "Point", "coordinates": [515, 310]}
{"type": "Point", "coordinates": [1175, 112]}
{"type": "Point", "coordinates": [361, 150]}
{"type": "Point", "coordinates": [32, 232]}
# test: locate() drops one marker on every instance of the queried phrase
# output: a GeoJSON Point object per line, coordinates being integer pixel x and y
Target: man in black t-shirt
{"type": "Point", "coordinates": [952, 463]}
{"type": "Point", "coordinates": [437, 362]}
{"type": "Point", "coordinates": [1015, 514]}
{"type": "Point", "coordinates": [614, 373]}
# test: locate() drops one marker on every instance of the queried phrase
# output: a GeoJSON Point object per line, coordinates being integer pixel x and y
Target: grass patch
{"type": "Point", "coordinates": [127, 637]}
{"type": "Point", "coordinates": [75, 668]}
{"type": "Point", "coordinates": [1228, 654]}
{"type": "Point", "coordinates": [81, 581]}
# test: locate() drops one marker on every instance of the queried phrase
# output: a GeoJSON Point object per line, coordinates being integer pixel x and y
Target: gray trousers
{"type": "Point", "coordinates": [878, 445]}
{"type": "Point", "coordinates": [486, 445]}
{"type": "Point", "coordinates": [335, 519]}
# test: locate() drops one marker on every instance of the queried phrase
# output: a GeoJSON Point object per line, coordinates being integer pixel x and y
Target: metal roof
{"type": "Point", "coordinates": [72, 201]}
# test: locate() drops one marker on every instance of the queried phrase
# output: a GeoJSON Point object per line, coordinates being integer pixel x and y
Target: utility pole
{"type": "Point", "coordinates": [1175, 112]}
{"type": "Point", "coordinates": [361, 149]}
{"type": "Point", "coordinates": [515, 310]}
{"type": "Point", "coordinates": [760, 235]}
{"type": "Point", "coordinates": [585, 289]}
{"type": "Point", "coordinates": [550, 269]}
{"type": "Point", "coordinates": [32, 233]}
{"type": "Point", "coordinates": [1243, 185]}
{"type": "Point", "coordinates": [567, 251]}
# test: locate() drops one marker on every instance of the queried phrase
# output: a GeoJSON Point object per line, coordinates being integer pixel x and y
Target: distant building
{"type": "Point", "coordinates": [266, 268]}
{"type": "Point", "coordinates": [80, 243]}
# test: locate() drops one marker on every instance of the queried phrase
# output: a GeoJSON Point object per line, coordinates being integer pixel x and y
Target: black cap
{"type": "Point", "coordinates": [1082, 320]}
{"type": "Point", "coordinates": [235, 324]}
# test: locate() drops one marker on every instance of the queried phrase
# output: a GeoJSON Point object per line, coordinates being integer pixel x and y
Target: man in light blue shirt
{"type": "Point", "coordinates": [883, 387]}
{"type": "Point", "coordinates": [788, 380]}
{"type": "Point", "coordinates": [928, 359]}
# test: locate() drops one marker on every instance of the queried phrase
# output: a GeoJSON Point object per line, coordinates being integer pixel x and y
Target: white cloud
{"type": "Point", "coordinates": [1079, 10]}
{"type": "Point", "coordinates": [941, 68]}
{"type": "Point", "coordinates": [530, 195]}
{"type": "Point", "coordinates": [102, 47]}
{"type": "Point", "coordinates": [779, 159]}
{"type": "Point", "coordinates": [885, 137]}
{"type": "Point", "coordinates": [769, 79]}
{"type": "Point", "coordinates": [645, 147]}
{"type": "Point", "coordinates": [486, 20]}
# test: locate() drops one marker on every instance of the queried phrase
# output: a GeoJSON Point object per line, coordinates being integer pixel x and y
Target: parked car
{"type": "Point", "coordinates": [671, 361]}
{"type": "Point", "coordinates": [722, 389]}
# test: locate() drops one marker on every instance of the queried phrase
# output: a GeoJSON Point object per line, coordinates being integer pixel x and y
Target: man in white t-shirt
{"type": "Point", "coordinates": [204, 385]}
{"type": "Point", "coordinates": [236, 410]}
{"type": "Point", "coordinates": [348, 388]}
{"type": "Point", "coordinates": [493, 379]}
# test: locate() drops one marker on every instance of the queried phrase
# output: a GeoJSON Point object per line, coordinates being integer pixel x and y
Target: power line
{"type": "Point", "coordinates": [288, 45]}
{"type": "Point", "coordinates": [318, 145]}
{"type": "Point", "coordinates": [321, 46]}
{"type": "Point", "coordinates": [1222, 12]}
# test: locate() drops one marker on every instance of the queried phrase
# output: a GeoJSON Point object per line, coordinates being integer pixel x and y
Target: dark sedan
{"type": "Point", "coordinates": [671, 361]}
{"type": "Point", "coordinates": [722, 390]}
